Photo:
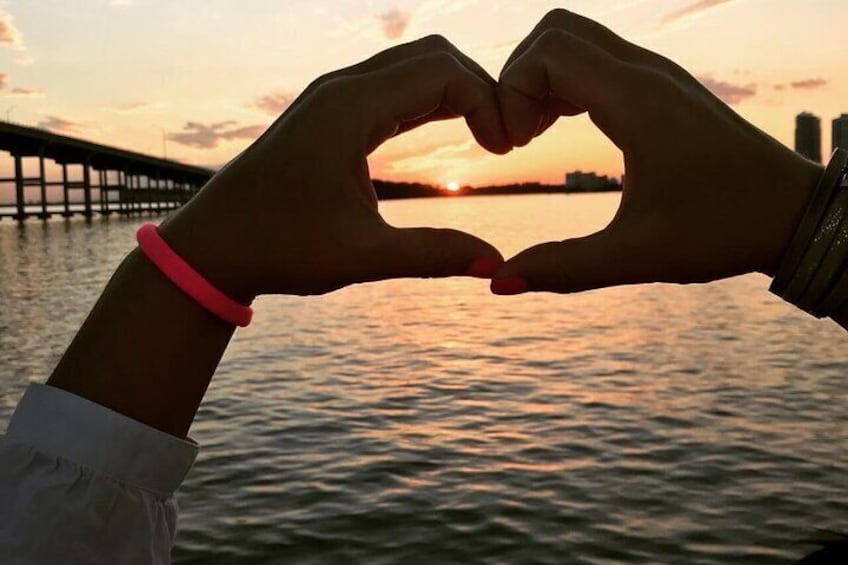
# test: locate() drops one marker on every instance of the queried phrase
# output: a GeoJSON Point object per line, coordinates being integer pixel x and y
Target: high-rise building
{"type": "Point", "coordinates": [808, 136]}
{"type": "Point", "coordinates": [840, 132]}
{"type": "Point", "coordinates": [578, 181]}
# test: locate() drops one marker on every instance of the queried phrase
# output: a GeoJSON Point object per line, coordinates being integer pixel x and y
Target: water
{"type": "Point", "coordinates": [428, 421]}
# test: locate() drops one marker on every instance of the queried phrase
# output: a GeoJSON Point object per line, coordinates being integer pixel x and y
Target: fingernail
{"type": "Point", "coordinates": [509, 286]}
{"type": "Point", "coordinates": [484, 267]}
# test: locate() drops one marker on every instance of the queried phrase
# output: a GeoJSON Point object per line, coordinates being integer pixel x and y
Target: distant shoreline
{"type": "Point", "coordinates": [387, 190]}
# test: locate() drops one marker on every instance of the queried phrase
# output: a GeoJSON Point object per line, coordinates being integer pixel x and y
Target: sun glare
{"type": "Point", "coordinates": [453, 186]}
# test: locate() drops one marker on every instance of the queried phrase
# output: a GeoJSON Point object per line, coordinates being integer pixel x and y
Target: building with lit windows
{"type": "Point", "coordinates": [808, 136]}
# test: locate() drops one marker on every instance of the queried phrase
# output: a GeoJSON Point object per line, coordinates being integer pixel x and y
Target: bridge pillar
{"type": "Point", "coordinates": [66, 199]}
{"type": "Point", "coordinates": [158, 192]}
{"type": "Point", "coordinates": [135, 183]}
{"type": "Point", "coordinates": [150, 193]}
{"type": "Point", "coordinates": [43, 184]}
{"type": "Point", "coordinates": [100, 184]}
{"type": "Point", "coordinates": [104, 192]}
{"type": "Point", "coordinates": [124, 193]}
{"type": "Point", "coordinates": [20, 213]}
{"type": "Point", "coordinates": [131, 192]}
{"type": "Point", "coordinates": [86, 187]}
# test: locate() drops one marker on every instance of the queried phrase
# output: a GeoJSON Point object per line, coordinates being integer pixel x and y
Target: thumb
{"type": "Point", "coordinates": [600, 260]}
{"type": "Point", "coordinates": [432, 253]}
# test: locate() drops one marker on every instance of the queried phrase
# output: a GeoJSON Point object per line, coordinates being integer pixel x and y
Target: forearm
{"type": "Point", "coordinates": [146, 350]}
{"type": "Point", "coordinates": [841, 317]}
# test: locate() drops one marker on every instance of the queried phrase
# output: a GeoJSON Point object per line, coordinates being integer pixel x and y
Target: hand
{"type": "Point", "coordinates": [296, 213]}
{"type": "Point", "coordinates": [706, 196]}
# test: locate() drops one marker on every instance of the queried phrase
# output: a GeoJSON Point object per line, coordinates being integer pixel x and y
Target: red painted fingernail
{"type": "Point", "coordinates": [484, 267]}
{"type": "Point", "coordinates": [509, 286]}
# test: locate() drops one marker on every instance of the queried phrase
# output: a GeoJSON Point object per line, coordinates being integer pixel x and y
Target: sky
{"type": "Point", "coordinates": [198, 80]}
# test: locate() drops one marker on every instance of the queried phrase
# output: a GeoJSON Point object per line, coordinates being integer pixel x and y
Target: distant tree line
{"type": "Point", "coordinates": [387, 190]}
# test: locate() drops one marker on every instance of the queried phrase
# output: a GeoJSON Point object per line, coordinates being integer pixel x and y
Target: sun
{"type": "Point", "coordinates": [452, 186]}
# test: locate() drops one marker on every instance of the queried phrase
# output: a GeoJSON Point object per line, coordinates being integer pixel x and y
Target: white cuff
{"type": "Point", "coordinates": [58, 422]}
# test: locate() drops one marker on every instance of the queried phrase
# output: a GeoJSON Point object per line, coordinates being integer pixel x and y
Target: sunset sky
{"type": "Point", "coordinates": [212, 74]}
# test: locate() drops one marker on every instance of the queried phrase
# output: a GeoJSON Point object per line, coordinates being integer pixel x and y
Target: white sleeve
{"type": "Point", "coordinates": [80, 483]}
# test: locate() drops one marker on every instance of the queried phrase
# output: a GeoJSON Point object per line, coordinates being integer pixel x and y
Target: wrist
{"type": "Point", "coordinates": [210, 244]}
{"type": "Point", "coordinates": [790, 198]}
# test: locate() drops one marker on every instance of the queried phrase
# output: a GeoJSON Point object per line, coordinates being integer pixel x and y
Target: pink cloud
{"type": "Point", "coordinates": [208, 136]}
{"type": "Point", "coordinates": [59, 125]}
{"type": "Point", "coordinates": [809, 84]}
{"type": "Point", "coordinates": [394, 23]}
{"type": "Point", "coordinates": [729, 93]}
{"type": "Point", "coordinates": [27, 92]}
{"type": "Point", "coordinates": [137, 106]}
{"type": "Point", "coordinates": [692, 9]}
{"type": "Point", "coordinates": [273, 103]}
{"type": "Point", "coordinates": [9, 34]}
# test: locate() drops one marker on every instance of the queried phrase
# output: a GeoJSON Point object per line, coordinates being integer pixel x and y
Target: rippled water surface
{"type": "Point", "coordinates": [430, 422]}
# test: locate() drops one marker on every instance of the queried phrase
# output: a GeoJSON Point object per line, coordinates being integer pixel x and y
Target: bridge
{"type": "Point", "coordinates": [57, 174]}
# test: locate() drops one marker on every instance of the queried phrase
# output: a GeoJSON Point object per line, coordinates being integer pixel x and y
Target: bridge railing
{"type": "Point", "coordinates": [54, 174]}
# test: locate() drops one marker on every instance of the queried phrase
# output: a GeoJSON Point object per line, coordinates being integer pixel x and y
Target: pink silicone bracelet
{"type": "Point", "coordinates": [188, 280]}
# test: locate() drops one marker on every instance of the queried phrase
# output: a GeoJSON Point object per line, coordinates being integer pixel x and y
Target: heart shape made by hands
{"type": "Point", "coordinates": [706, 195]}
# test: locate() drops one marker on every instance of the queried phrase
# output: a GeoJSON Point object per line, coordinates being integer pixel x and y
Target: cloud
{"type": "Point", "coordinates": [809, 84]}
{"type": "Point", "coordinates": [426, 12]}
{"type": "Point", "coordinates": [437, 157]}
{"type": "Point", "coordinates": [411, 149]}
{"type": "Point", "coordinates": [59, 125]}
{"type": "Point", "coordinates": [203, 136]}
{"type": "Point", "coordinates": [26, 92]}
{"type": "Point", "coordinates": [730, 93]}
{"type": "Point", "coordinates": [394, 23]}
{"type": "Point", "coordinates": [692, 9]}
{"type": "Point", "coordinates": [137, 106]}
{"type": "Point", "coordinates": [806, 84]}
{"type": "Point", "coordinates": [23, 59]}
{"type": "Point", "coordinates": [273, 103]}
{"type": "Point", "coordinates": [9, 34]}
{"type": "Point", "coordinates": [430, 9]}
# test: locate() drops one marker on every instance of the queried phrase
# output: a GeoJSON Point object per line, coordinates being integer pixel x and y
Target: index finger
{"type": "Point", "coordinates": [590, 31]}
{"type": "Point", "coordinates": [429, 87]}
{"type": "Point", "coordinates": [388, 57]}
{"type": "Point", "coordinates": [579, 74]}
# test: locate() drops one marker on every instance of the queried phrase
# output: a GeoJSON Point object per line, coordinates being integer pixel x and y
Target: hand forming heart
{"type": "Point", "coordinates": [707, 195]}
